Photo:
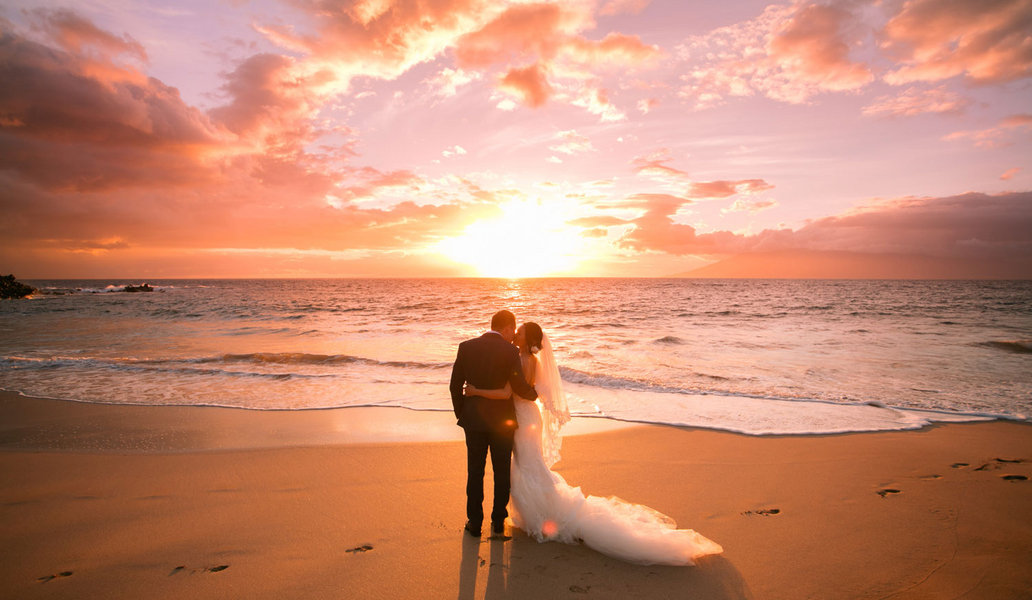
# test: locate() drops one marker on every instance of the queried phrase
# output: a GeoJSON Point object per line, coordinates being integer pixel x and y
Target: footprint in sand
{"type": "Point", "coordinates": [931, 477]}
{"type": "Point", "coordinates": [47, 578]}
{"type": "Point", "coordinates": [1014, 478]}
{"type": "Point", "coordinates": [182, 568]}
{"type": "Point", "coordinates": [960, 465]}
{"type": "Point", "coordinates": [885, 492]}
{"type": "Point", "coordinates": [765, 512]}
{"type": "Point", "coordinates": [362, 548]}
{"type": "Point", "coordinates": [997, 463]}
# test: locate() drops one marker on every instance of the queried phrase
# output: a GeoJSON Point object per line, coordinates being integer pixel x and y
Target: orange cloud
{"type": "Point", "coordinates": [97, 164]}
{"type": "Point", "coordinates": [547, 35]}
{"type": "Point", "coordinates": [520, 33]}
{"type": "Point", "coordinates": [597, 221]}
{"type": "Point", "coordinates": [725, 189]}
{"type": "Point", "coordinates": [378, 38]}
{"type": "Point", "coordinates": [265, 98]}
{"type": "Point", "coordinates": [986, 42]}
{"type": "Point", "coordinates": [528, 83]}
{"type": "Point", "coordinates": [812, 46]}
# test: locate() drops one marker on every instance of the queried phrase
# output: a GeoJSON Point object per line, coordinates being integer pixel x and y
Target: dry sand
{"type": "Point", "coordinates": [155, 502]}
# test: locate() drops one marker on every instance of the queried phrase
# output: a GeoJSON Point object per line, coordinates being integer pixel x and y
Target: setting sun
{"type": "Point", "coordinates": [527, 240]}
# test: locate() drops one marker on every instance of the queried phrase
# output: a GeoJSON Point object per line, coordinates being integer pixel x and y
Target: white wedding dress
{"type": "Point", "coordinates": [547, 508]}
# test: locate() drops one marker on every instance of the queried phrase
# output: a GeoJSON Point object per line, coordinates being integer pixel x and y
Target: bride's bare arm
{"type": "Point", "coordinates": [530, 368]}
{"type": "Point", "coordinates": [496, 394]}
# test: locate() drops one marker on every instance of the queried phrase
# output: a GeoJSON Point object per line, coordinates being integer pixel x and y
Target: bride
{"type": "Point", "coordinates": [548, 508]}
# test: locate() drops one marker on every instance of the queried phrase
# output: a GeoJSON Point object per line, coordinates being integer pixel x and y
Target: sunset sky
{"type": "Point", "coordinates": [322, 138]}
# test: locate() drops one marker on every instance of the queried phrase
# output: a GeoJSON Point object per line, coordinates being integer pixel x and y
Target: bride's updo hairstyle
{"type": "Point", "coordinates": [534, 336]}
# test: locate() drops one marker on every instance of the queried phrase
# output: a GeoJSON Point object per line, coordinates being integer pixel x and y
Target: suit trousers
{"type": "Point", "coordinates": [477, 445]}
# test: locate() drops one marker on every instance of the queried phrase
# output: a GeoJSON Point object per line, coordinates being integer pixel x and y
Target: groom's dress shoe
{"type": "Point", "coordinates": [473, 530]}
{"type": "Point", "coordinates": [498, 527]}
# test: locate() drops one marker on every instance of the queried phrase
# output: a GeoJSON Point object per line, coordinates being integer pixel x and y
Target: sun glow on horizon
{"type": "Point", "coordinates": [529, 239]}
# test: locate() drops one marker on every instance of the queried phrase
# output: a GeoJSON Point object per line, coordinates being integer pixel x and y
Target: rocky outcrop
{"type": "Point", "coordinates": [143, 287]}
{"type": "Point", "coordinates": [12, 288]}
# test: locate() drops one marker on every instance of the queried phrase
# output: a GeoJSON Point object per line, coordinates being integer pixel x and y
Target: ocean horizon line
{"type": "Point", "coordinates": [492, 278]}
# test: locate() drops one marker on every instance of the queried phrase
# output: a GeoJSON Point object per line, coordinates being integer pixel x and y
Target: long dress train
{"type": "Point", "coordinates": [549, 509]}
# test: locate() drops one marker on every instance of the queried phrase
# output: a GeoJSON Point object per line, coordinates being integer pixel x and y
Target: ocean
{"type": "Point", "coordinates": [758, 357]}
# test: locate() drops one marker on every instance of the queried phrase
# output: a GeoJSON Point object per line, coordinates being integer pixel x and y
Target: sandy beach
{"type": "Point", "coordinates": [106, 501]}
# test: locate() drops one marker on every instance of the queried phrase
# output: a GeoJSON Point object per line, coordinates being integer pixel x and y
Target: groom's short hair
{"type": "Point", "coordinates": [501, 319]}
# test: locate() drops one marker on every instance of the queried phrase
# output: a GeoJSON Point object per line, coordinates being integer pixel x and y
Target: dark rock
{"type": "Point", "coordinates": [143, 287]}
{"type": "Point", "coordinates": [11, 288]}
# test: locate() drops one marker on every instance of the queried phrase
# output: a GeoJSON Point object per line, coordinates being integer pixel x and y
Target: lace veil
{"type": "Point", "coordinates": [555, 412]}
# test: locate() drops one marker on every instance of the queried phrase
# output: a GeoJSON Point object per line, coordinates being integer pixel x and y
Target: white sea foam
{"type": "Point", "coordinates": [754, 416]}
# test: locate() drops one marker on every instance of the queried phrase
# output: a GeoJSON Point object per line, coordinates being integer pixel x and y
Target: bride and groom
{"type": "Point", "coordinates": [507, 396]}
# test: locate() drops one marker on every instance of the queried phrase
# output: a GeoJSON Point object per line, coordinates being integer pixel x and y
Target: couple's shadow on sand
{"type": "Point", "coordinates": [517, 566]}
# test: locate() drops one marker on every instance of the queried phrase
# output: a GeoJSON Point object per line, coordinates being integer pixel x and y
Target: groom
{"type": "Point", "coordinates": [488, 362]}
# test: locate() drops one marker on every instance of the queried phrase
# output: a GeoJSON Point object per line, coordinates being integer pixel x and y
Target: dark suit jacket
{"type": "Point", "coordinates": [488, 362]}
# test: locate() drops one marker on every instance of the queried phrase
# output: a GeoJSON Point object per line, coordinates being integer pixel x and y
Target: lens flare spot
{"type": "Point", "coordinates": [549, 528]}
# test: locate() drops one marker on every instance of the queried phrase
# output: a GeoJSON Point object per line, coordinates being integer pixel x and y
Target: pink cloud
{"type": "Point", "coordinates": [616, 7]}
{"type": "Point", "coordinates": [750, 205]}
{"type": "Point", "coordinates": [966, 226]}
{"type": "Point", "coordinates": [1010, 173]}
{"type": "Point", "coordinates": [447, 82]}
{"type": "Point", "coordinates": [915, 101]}
{"type": "Point", "coordinates": [788, 53]}
{"type": "Point", "coordinates": [646, 105]}
{"type": "Point", "coordinates": [70, 125]}
{"type": "Point", "coordinates": [792, 52]}
{"type": "Point", "coordinates": [995, 137]}
{"type": "Point", "coordinates": [273, 103]}
{"type": "Point", "coordinates": [596, 101]}
{"type": "Point", "coordinates": [76, 34]}
{"type": "Point", "coordinates": [374, 184]}
{"type": "Point", "coordinates": [986, 42]}
{"type": "Point", "coordinates": [655, 167]}
{"type": "Point", "coordinates": [571, 142]}
{"type": "Point", "coordinates": [613, 51]}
